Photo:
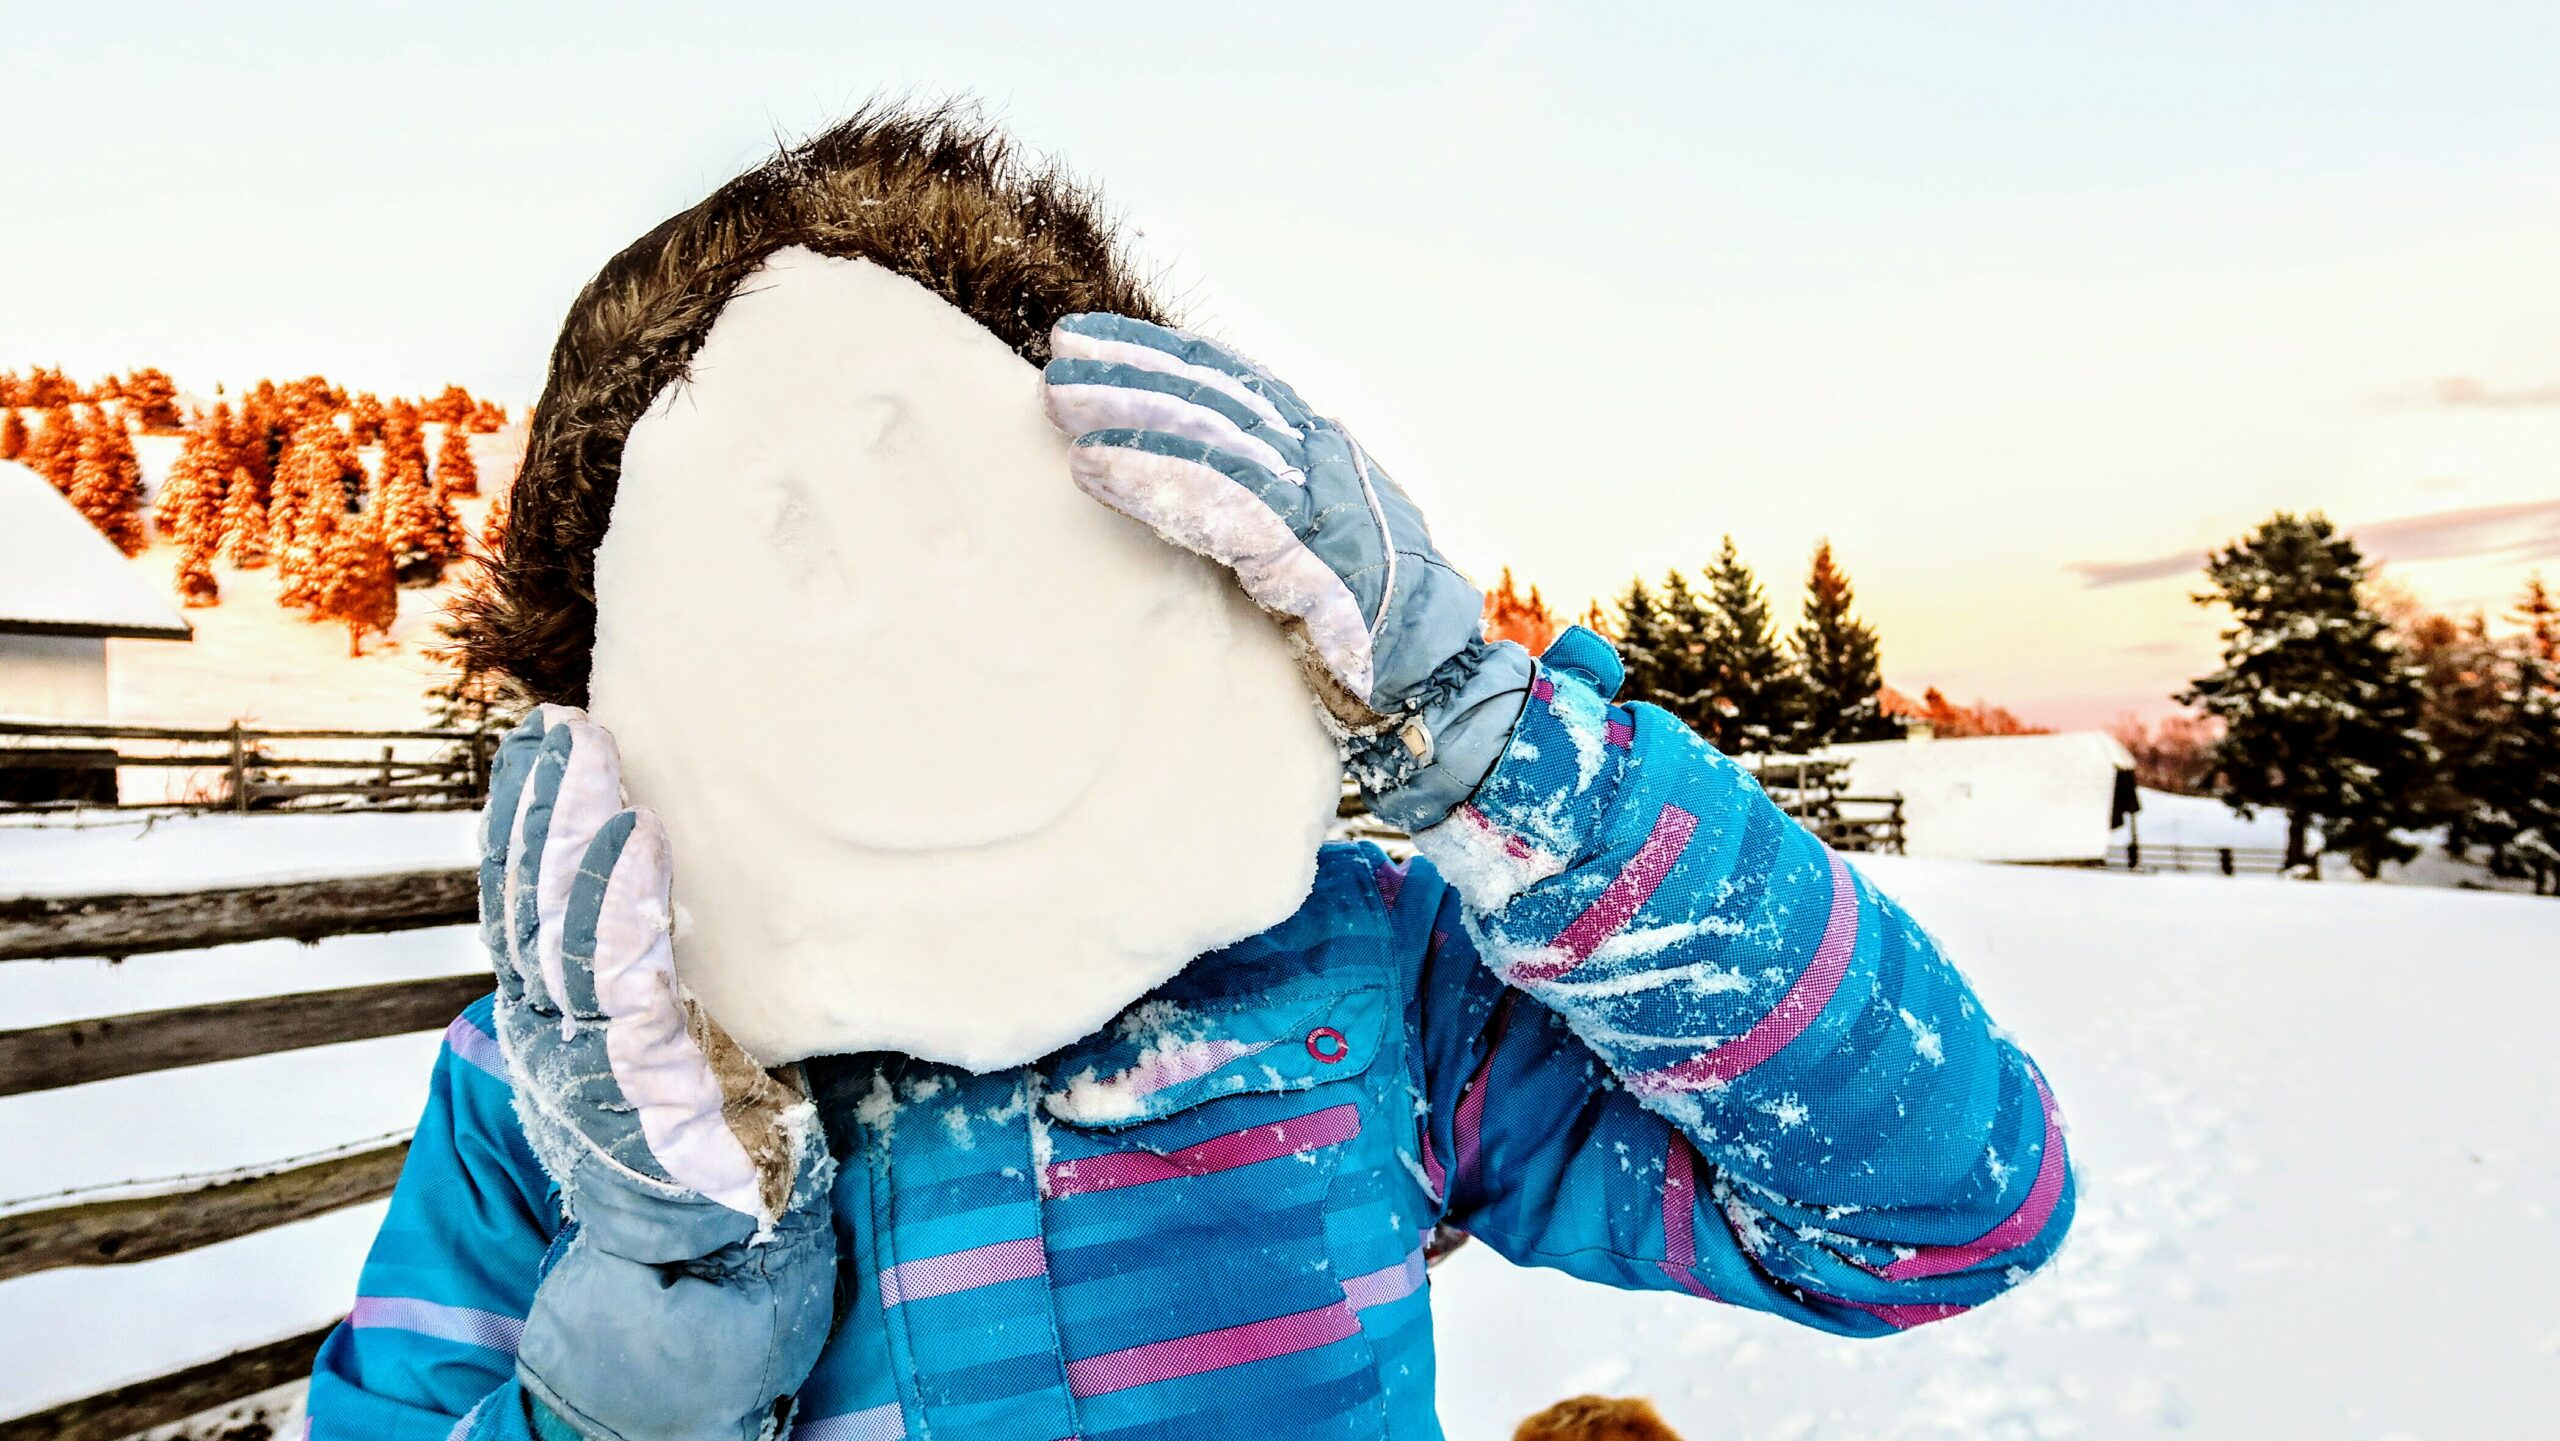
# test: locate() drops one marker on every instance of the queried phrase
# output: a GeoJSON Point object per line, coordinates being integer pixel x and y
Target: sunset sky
{"type": "Point", "coordinates": [2024, 306]}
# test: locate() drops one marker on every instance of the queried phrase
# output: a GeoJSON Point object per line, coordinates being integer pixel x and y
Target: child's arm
{"type": "Point", "coordinates": [445, 1291]}
{"type": "Point", "coordinates": [1721, 1062]}
{"type": "Point", "coordinates": [1777, 1090]}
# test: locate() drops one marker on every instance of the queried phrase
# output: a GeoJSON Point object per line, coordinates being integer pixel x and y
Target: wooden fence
{"type": "Point", "coordinates": [55, 765]}
{"type": "Point", "coordinates": [1801, 788]}
{"type": "Point", "coordinates": [200, 1211]}
{"type": "Point", "coordinates": [2227, 860]}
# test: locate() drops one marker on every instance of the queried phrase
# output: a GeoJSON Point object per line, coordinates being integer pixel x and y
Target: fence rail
{"type": "Point", "coordinates": [129, 925]}
{"type": "Point", "coordinates": [209, 1210]}
{"type": "Point", "coordinates": [47, 765]}
{"type": "Point", "coordinates": [2228, 860]}
{"type": "Point", "coordinates": [144, 1405]}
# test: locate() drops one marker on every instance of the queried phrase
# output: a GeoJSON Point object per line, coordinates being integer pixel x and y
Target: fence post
{"type": "Point", "coordinates": [239, 770]}
{"type": "Point", "coordinates": [2133, 854]}
{"type": "Point", "coordinates": [2226, 860]}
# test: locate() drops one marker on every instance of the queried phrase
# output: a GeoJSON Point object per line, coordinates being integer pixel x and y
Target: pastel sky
{"type": "Point", "coordinates": [2022, 305]}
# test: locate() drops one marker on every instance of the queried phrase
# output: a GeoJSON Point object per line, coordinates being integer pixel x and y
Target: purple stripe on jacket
{"type": "Point", "coordinates": [492, 1329]}
{"type": "Point", "coordinates": [2020, 1226]}
{"type": "Point", "coordinates": [1680, 1218]}
{"type": "Point", "coordinates": [1212, 1350]}
{"type": "Point", "coordinates": [1328, 1127]}
{"type": "Point", "coordinates": [1609, 912]}
{"type": "Point", "coordinates": [1387, 1283]}
{"type": "Point", "coordinates": [1466, 1128]}
{"type": "Point", "coordinates": [967, 1270]}
{"type": "Point", "coordinates": [1785, 1021]}
{"type": "Point", "coordinates": [879, 1423]}
{"type": "Point", "coordinates": [475, 1047]}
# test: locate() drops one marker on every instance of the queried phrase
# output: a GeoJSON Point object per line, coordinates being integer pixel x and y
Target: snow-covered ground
{"type": "Point", "coordinates": [2315, 1128]}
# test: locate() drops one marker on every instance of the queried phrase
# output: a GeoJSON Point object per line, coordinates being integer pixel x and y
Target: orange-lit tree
{"type": "Point", "coordinates": [356, 587]}
{"type": "Point", "coordinates": [150, 400]}
{"type": "Point", "coordinates": [106, 483]}
{"type": "Point", "coordinates": [189, 513]}
{"type": "Point", "coordinates": [309, 507]}
{"type": "Point", "coordinates": [1508, 615]}
{"type": "Point", "coordinates": [455, 469]}
{"type": "Point", "coordinates": [13, 435]}
{"type": "Point", "coordinates": [54, 448]}
{"type": "Point", "coordinates": [244, 521]}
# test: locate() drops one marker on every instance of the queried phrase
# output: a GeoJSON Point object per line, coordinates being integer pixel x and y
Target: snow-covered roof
{"type": "Point", "coordinates": [1996, 798]}
{"type": "Point", "coordinates": [58, 576]}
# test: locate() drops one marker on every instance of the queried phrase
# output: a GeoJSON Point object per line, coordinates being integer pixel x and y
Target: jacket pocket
{"type": "Point", "coordinates": [1164, 1057]}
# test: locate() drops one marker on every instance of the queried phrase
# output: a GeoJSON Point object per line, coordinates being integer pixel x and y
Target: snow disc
{"type": "Point", "coordinates": [955, 761]}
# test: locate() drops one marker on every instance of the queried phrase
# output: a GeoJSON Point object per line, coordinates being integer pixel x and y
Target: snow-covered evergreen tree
{"type": "Point", "coordinates": [455, 470]}
{"type": "Point", "coordinates": [189, 512]}
{"type": "Point", "coordinates": [2319, 706]}
{"type": "Point", "coordinates": [54, 448]}
{"type": "Point", "coordinates": [356, 586]}
{"type": "Point", "coordinates": [1754, 689]}
{"type": "Point", "coordinates": [2512, 781]}
{"type": "Point", "coordinates": [1645, 639]}
{"type": "Point", "coordinates": [244, 521]}
{"type": "Point", "coordinates": [1840, 661]}
{"type": "Point", "coordinates": [106, 482]}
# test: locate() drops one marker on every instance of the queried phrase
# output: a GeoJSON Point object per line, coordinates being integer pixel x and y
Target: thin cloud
{"type": "Point", "coordinates": [2526, 531]}
{"type": "Point", "coordinates": [2465, 392]}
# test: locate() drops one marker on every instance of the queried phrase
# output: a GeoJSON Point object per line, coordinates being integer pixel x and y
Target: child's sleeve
{"type": "Point", "coordinates": [428, 1350]}
{"type": "Point", "coordinates": [1670, 1040]}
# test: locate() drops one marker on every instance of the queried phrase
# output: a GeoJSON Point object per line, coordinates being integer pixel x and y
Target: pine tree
{"type": "Point", "coordinates": [106, 483]}
{"type": "Point", "coordinates": [1755, 693]}
{"type": "Point", "coordinates": [1508, 615]}
{"type": "Point", "coordinates": [452, 407]}
{"type": "Point", "coordinates": [1688, 690]}
{"type": "Point", "coordinates": [2320, 710]}
{"type": "Point", "coordinates": [13, 436]}
{"type": "Point", "coordinates": [355, 585]}
{"type": "Point", "coordinates": [493, 528]}
{"type": "Point", "coordinates": [416, 522]}
{"type": "Point", "coordinates": [1841, 662]}
{"type": "Point", "coordinates": [364, 419]}
{"type": "Point", "coordinates": [151, 400]}
{"type": "Point", "coordinates": [455, 470]}
{"type": "Point", "coordinates": [1646, 640]}
{"type": "Point", "coordinates": [487, 417]}
{"type": "Point", "coordinates": [189, 513]}
{"type": "Point", "coordinates": [54, 448]}
{"type": "Point", "coordinates": [244, 521]}
{"type": "Point", "coordinates": [309, 504]}
{"type": "Point", "coordinates": [2512, 782]}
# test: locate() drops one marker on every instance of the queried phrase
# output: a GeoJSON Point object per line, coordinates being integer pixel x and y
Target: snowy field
{"type": "Point", "coordinates": [2315, 1125]}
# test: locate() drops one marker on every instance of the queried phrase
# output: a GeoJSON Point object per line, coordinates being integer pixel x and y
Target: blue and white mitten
{"type": "Point", "coordinates": [1221, 458]}
{"type": "Point", "coordinates": [695, 1282]}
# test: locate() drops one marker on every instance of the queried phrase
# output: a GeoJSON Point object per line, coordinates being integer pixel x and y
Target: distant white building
{"type": "Point", "coordinates": [2050, 799]}
{"type": "Point", "coordinates": [65, 591]}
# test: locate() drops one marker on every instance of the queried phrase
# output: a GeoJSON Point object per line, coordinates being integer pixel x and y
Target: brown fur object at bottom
{"type": "Point", "coordinates": [1597, 1418]}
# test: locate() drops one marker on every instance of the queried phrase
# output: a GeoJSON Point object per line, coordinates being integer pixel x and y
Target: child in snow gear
{"type": "Point", "coordinates": [1621, 1017]}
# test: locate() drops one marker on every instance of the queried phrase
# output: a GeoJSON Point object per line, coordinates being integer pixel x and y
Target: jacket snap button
{"type": "Point", "coordinates": [1327, 1045]}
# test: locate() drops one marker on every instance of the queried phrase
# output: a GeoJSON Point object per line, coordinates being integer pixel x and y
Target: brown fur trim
{"type": "Point", "coordinates": [938, 195]}
{"type": "Point", "coordinates": [1597, 1418]}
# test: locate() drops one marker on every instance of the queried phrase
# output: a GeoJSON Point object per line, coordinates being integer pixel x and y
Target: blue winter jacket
{"type": "Point", "coordinates": [1623, 1018]}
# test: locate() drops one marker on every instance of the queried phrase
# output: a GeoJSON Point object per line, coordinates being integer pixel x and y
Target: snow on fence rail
{"type": "Point", "coordinates": [47, 765]}
{"type": "Point", "coordinates": [80, 1230]}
